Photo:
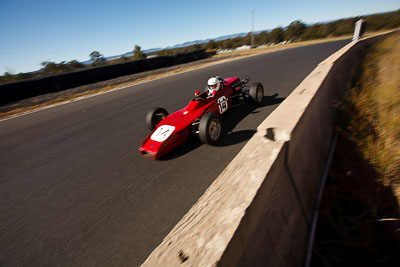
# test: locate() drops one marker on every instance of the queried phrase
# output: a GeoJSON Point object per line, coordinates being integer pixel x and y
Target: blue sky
{"type": "Point", "coordinates": [59, 30]}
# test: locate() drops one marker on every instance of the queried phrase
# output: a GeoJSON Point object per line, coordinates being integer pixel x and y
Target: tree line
{"type": "Point", "coordinates": [299, 31]}
{"type": "Point", "coordinates": [295, 31]}
{"type": "Point", "coordinates": [51, 68]}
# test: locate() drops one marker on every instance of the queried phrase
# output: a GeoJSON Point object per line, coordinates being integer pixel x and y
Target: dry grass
{"type": "Point", "coordinates": [375, 103]}
{"type": "Point", "coordinates": [359, 222]}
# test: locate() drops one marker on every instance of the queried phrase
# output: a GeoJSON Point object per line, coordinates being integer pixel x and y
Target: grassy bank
{"type": "Point", "coordinates": [375, 110]}
{"type": "Point", "coordinates": [359, 223]}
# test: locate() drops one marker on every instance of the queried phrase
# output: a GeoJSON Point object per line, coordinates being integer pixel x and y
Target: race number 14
{"type": "Point", "coordinates": [162, 133]}
{"type": "Point", "coordinates": [223, 104]}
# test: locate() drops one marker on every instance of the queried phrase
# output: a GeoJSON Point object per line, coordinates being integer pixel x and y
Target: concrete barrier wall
{"type": "Point", "coordinates": [284, 205]}
{"type": "Point", "coordinates": [258, 212]}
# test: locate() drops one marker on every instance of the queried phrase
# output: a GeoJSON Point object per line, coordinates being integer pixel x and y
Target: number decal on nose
{"type": "Point", "coordinates": [162, 133]}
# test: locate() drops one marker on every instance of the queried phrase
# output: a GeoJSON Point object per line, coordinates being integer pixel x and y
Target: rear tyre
{"type": "Point", "coordinates": [256, 94]}
{"type": "Point", "coordinates": [210, 129]}
{"type": "Point", "coordinates": [154, 117]}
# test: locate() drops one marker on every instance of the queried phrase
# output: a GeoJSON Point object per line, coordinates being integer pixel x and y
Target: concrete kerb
{"type": "Point", "coordinates": [259, 210]}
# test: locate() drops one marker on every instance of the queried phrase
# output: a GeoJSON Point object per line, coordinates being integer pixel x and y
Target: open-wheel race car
{"type": "Point", "coordinates": [201, 117]}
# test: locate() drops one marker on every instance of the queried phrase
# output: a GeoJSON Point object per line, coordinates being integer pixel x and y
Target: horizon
{"type": "Point", "coordinates": [57, 31]}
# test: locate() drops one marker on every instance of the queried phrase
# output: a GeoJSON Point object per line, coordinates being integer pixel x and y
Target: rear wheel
{"type": "Point", "coordinates": [210, 129]}
{"type": "Point", "coordinates": [256, 94]}
{"type": "Point", "coordinates": [154, 117]}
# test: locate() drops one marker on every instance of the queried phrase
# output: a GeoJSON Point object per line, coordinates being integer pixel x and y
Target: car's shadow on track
{"type": "Point", "coordinates": [272, 100]}
{"type": "Point", "coordinates": [230, 119]}
{"type": "Point", "coordinates": [236, 115]}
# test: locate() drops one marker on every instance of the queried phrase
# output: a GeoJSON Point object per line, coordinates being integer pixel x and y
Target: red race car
{"type": "Point", "coordinates": [200, 117]}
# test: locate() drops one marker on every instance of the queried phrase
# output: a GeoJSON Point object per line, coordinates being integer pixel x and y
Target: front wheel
{"type": "Point", "coordinates": [256, 94]}
{"type": "Point", "coordinates": [210, 129]}
{"type": "Point", "coordinates": [154, 117]}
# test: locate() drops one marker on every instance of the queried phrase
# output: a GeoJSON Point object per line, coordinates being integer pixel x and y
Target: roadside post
{"type": "Point", "coordinates": [357, 30]}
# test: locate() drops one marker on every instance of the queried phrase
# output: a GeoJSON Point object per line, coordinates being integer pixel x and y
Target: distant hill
{"type": "Point", "coordinates": [221, 38]}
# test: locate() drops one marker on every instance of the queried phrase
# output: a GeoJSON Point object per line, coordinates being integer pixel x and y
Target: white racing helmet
{"type": "Point", "coordinates": [213, 85]}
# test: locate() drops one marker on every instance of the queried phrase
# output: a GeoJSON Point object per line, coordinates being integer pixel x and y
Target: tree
{"type": "Point", "coordinates": [96, 56]}
{"type": "Point", "coordinates": [227, 44]}
{"type": "Point", "coordinates": [7, 74]}
{"type": "Point", "coordinates": [313, 32]}
{"type": "Point", "coordinates": [196, 47]}
{"type": "Point", "coordinates": [165, 52]}
{"type": "Point", "coordinates": [327, 29]}
{"type": "Point", "coordinates": [74, 65]}
{"type": "Point", "coordinates": [50, 67]}
{"type": "Point", "coordinates": [138, 53]}
{"type": "Point", "coordinates": [123, 59]}
{"type": "Point", "coordinates": [238, 41]}
{"type": "Point", "coordinates": [295, 30]}
{"type": "Point", "coordinates": [276, 35]}
{"type": "Point", "coordinates": [261, 38]}
{"type": "Point", "coordinates": [7, 77]}
{"type": "Point", "coordinates": [246, 40]}
{"type": "Point", "coordinates": [211, 45]}
{"type": "Point", "coordinates": [54, 68]}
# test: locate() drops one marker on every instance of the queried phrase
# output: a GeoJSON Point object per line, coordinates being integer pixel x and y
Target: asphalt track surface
{"type": "Point", "coordinates": [74, 190]}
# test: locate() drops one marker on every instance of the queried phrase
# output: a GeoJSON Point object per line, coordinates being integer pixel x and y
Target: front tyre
{"type": "Point", "coordinates": [154, 117]}
{"type": "Point", "coordinates": [210, 129]}
{"type": "Point", "coordinates": [256, 94]}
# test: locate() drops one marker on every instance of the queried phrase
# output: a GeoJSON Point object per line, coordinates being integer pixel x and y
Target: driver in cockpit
{"type": "Point", "coordinates": [213, 85]}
